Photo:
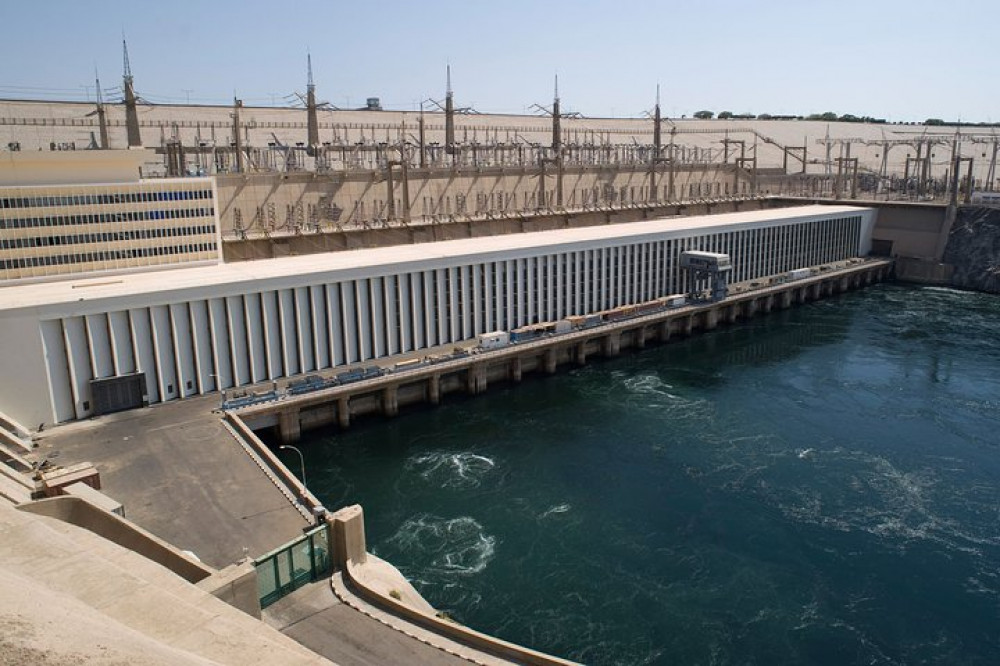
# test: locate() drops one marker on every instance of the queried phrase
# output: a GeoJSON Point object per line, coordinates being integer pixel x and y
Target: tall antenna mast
{"type": "Point", "coordinates": [449, 117]}
{"type": "Point", "coordinates": [131, 113]}
{"type": "Point", "coordinates": [556, 127]}
{"type": "Point", "coordinates": [126, 68]}
{"type": "Point", "coordinates": [102, 120]}
{"type": "Point", "coordinates": [656, 125]}
{"type": "Point", "coordinates": [312, 122]}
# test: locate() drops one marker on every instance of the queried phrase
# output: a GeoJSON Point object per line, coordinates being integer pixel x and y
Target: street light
{"type": "Point", "coordinates": [302, 460]}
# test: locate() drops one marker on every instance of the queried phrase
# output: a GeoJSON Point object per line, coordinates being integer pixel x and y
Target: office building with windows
{"type": "Point", "coordinates": [51, 228]}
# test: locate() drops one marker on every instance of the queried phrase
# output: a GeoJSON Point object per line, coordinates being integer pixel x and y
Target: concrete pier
{"type": "Point", "coordinates": [551, 360]}
{"type": "Point", "coordinates": [344, 411]}
{"type": "Point", "coordinates": [665, 328]}
{"type": "Point", "coordinates": [473, 373]}
{"type": "Point", "coordinates": [289, 426]}
{"type": "Point", "coordinates": [515, 369]}
{"type": "Point", "coordinates": [390, 400]}
{"type": "Point", "coordinates": [611, 344]}
{"type": "Point", "coordinates": [434, 389]}
{"type": "Point", "coordinates": [476, 379]}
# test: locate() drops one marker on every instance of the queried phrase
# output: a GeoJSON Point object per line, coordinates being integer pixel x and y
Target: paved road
{"type": "Point", "coordinates": [182, 476]}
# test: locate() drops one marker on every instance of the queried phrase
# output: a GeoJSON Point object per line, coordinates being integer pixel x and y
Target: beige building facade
{"type": "Point", "coordinates": [52, 225]}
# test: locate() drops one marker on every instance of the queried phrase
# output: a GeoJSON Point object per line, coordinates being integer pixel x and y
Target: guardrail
{"type": "Point", "coordinates": [302, 498]}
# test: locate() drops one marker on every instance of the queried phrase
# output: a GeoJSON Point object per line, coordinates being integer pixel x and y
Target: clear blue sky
{"type": "Point", "coordinates": [886, 58]}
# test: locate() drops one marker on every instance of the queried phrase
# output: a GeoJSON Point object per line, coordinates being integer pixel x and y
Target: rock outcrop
{"type": "Point", "coordinates": [974, 249]}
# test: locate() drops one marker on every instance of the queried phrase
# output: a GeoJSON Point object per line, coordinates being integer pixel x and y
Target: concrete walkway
{"type": "Point", "coordinates": [183, 476]}
{"type": "Point", "coordinates": [314, 617]}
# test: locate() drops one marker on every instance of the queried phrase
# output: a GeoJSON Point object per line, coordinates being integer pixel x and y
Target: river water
{"type": "Point", "coordinates": [819, 485]}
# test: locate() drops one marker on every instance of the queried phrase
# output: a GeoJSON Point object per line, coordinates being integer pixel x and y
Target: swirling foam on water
{"type": "Point", "coordinates": [867, 493]}
{"type": "Point", "coordinates": [650, 393]}
{"type": "Point", "coordinates": [451, 470]}
{"type": "Point", "coordinates": [647, 384]}
{"type": "Point", "coordinates": [442, 546]}
{"type": "Point", "coordinates": [552, 510]}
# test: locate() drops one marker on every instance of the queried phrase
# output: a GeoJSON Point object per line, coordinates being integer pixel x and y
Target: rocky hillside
{"type": "Point", "coordinates": [974, 249]}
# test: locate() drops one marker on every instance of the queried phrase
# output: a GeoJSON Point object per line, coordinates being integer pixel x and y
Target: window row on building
{"type": "Point", "coordinates": [128, 196]}
{"type": "Point", "coordinates": [105, 237]}
{"type": "Point", "coordinates": [222, 341]}
{"type": "Point", "coordinates": [109, 255]}
{"type": "Point", "coordinates": [103, 218]}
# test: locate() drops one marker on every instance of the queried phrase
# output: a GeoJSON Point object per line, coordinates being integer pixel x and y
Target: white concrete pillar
{"type": "Point", "coordinates": [468, 301]}
{"type": "Point", "coordinates": [159, 321]}
{"type": "Point", "coordinates": [529, 290]}
{"type": "Point", "coordinates": [363, 318]}
{"type": "Point", "coordinates": [377, 319]}
{"type": "Point", "coordinates": [183, 350]}
{"type": "Point", "coordinates": [349, 322]}
{"type": "Point", "coordinates": [489, 295]}
{"type": "Point", "coordinates": [320, 334]}
{"type": "Point", "coordinates": [510, 307]}
{"type": "Point", "coordinates": [334, 325]}
{"type": "Point", "coordinates": [304, 329]}
{"type": "Point", "coordinates": [441, 295]}
{"type": "Point", "coordinates": [477, 299]}
{"type": "Point", "coordinates": [220, 346]}
{"type": "Point", "coordinates": [286, 332]}
{"type": "Point", "coordinates": [454, 328]}
{"type": "Point", "coordinates": [417, 313]}
{"type": "Point", "coordinates": [405, 313]}
{"type": "Point", "coordinates": [255, 336]}
{"type": "Point", "coordinates": [428, 310]}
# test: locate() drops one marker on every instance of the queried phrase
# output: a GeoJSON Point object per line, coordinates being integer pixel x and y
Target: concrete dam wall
{"type": "Point", "coordinates": [974, 249]}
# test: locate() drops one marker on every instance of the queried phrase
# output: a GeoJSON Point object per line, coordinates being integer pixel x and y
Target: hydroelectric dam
{"type": "Point", "coordinates": [243, 275]}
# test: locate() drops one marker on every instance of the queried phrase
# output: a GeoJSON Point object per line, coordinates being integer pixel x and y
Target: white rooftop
{"type": "Point", "coordinates": [156, 287]}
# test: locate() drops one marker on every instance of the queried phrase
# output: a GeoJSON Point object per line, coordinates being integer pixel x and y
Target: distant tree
{"type": "Point", "coordinates": [764, 116]}
{"type": "Point", "coordinates": [828, 116]}
{"type": "Point", "coordinates": [849, 118]}
{"type": "Point", "coordinates": [933, 121]}
{"type": "Point", "coordinates": [725, 115]}
{"type": "Point", "coordinates": [703, 115]}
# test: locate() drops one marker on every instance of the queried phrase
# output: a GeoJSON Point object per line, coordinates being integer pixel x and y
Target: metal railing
{"type": "Point", "coordinates": [289, 567]}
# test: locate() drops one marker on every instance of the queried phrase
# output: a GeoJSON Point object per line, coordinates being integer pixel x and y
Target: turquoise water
{"type": "Point", "coordinates": [815, 486]}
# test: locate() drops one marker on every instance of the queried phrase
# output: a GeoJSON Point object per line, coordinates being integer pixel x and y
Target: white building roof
{"type": "Point", "coordinates": [155, 287]}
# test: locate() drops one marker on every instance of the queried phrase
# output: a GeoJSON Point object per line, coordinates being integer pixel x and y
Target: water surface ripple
{"type": "Point", "coordinates": [816, 486]}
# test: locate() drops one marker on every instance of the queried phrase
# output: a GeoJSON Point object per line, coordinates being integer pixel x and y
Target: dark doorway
{"type": "Point", "coordinates": [116, 394]}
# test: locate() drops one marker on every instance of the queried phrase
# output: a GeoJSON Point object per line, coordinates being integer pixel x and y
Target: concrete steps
{"type": "Point", "coordinates": [14, 436]}
{"type": "Point", "coordinates": [12, 489]}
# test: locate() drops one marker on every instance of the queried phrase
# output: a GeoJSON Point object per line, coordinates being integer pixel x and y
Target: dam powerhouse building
{"type": "Point", "coordinates": [126, 335]}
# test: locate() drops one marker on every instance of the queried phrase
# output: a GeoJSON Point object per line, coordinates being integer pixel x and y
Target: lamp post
{"type": "Point", "coordinates": [302, 460]}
